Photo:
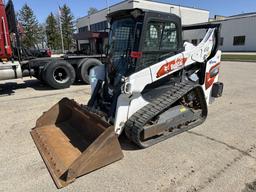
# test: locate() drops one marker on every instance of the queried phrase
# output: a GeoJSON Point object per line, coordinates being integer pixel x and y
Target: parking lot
{"type": "Point", "coordinates": [219, 155]}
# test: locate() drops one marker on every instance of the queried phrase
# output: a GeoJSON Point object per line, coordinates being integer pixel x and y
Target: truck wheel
{"type": "Point", "coordinates": [39, 78]}
{"type": "Point", "coordinates": [59, 75]}
{"type": "Point", "coordinates": [84, 68]}
{"type": "Point", "coordinates": [39, 75]}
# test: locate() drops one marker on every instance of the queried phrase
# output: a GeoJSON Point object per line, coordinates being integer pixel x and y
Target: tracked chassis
{"type": "Point", "coordinates": [139, 131]}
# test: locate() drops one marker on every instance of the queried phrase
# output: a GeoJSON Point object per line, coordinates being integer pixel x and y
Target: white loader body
{"type": "Point", "coordinates": [131, 100]}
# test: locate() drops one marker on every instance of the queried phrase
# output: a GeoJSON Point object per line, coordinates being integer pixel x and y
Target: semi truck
{"type": "Point", "coordinates": [16, 62]}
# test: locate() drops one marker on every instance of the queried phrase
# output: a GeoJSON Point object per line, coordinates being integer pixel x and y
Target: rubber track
{"type": "Point", "coordinates": [134, 126]}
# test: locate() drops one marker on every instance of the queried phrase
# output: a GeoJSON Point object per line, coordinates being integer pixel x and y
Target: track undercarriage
{"type": "Point", "coordinates": [177, 110]}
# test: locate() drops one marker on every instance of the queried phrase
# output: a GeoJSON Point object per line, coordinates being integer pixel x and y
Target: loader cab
{"type": "Point", "coordinates": [137, 40]}
{"type": "Point", "coordinates": [140, 38]}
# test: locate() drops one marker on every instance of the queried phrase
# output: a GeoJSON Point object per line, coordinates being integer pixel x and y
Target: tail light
{"type": "Point", "coordinates": [49, 52]}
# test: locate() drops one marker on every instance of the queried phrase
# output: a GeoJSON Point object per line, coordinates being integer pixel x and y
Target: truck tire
{"type": "Point", "coordinates": [39, 78]}
{"type": "Point", "coordinates": [39, 74]}
{"type": "Point", "coordinates": [84, 68]}
{"type": "Point", "coordinates": [59, 74]}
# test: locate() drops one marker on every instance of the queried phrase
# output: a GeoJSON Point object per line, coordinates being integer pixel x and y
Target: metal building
{"type": "Point", "coordinates": [98, 21]}
{"type": "Point", "coordinates": [238, 33]}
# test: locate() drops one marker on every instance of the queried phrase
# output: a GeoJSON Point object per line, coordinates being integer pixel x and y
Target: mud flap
{"type": "Point", "coordinates": [74, 142]}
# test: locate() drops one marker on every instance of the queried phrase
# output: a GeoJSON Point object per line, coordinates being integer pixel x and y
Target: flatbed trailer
{"type": "Point", "coordinates": [56, 72]}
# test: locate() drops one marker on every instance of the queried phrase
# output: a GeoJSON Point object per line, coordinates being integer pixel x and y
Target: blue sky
{"type": "Point", "coordinates": [79, 7]}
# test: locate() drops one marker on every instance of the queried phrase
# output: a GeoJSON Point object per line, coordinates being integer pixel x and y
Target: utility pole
{"type": "Point", "coordinates": [107, 3]}
{"type": "Point", "coordinates": [61, 32]}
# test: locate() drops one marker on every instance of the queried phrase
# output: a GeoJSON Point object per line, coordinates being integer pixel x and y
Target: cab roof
{"type": "Point", "coordinates": [139, 12]}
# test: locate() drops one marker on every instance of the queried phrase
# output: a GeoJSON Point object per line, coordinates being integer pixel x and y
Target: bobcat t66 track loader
{"type": "Point", "coordinates": [152, 88]}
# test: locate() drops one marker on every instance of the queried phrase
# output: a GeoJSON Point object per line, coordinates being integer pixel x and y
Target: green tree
{"type": "Point", "coordinates": [52, 32]}
{"type": "Point", "coordinates": [92, 10]}
{"type": "Point", "coordinates": [42, 38]}
{"type": "Point", "coordinates": [68, 28]}
{"type": "Point", "coordinates": [29, 23]}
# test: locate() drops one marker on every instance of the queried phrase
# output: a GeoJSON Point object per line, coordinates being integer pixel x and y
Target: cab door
{"type": "Point", "coordinates": [161, 39]}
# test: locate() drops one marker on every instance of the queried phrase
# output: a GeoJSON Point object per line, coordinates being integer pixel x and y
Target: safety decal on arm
{"type": "Point", "coordinates": [171, 66]}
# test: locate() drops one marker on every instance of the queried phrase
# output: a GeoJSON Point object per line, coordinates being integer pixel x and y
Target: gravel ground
{"type": "Point", "coordinates": [219, 155]}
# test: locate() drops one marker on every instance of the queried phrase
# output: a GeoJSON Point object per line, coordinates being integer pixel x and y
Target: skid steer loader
{"type": "Point", "coordinates": [151, 88]}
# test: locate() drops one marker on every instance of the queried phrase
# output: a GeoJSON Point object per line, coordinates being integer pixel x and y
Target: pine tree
{"type": "Point", "coordinates": [52, 32]}
{"type": "Point", "coordinates": [29, 23]}
{"type": "Point", "coordinates": [67, 26]}
{"type": "Point", "coordinates": [42, 38]}
{"type": "Point", "coordinates": [92, 10]}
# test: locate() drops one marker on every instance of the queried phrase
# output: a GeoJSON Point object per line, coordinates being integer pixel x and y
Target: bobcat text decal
{"type": "Point", "coordinates": [170, 66]}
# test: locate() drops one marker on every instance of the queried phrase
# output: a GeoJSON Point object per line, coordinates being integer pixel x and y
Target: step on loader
{"type": "Point", "coordinates": [152, 88]}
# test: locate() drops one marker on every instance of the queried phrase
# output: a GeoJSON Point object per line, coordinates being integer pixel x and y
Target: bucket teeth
{"type": "Point", "coordinates": [74, 142]}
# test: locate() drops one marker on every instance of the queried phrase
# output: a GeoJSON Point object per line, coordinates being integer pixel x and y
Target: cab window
{"type": "Point", "coordinates": [161, 42]}
{"type": "Point", "coordinates": [161, 36]}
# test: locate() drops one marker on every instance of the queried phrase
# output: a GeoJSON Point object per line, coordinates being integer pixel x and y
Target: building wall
{"type": "Point", "coordinates": [191, 35]}
{"type": "Point", "coordinates": [239, 26]}
{"type": "Point", "coordinates": [100, 16]}
{"type": "Point", "coordinates": [188, 15]}
{"type": "Point", "coordinates": [245, 26]}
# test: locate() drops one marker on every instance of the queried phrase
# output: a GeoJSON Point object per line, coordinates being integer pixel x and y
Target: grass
{"type": "Point", "coordinates": [245, 58]}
